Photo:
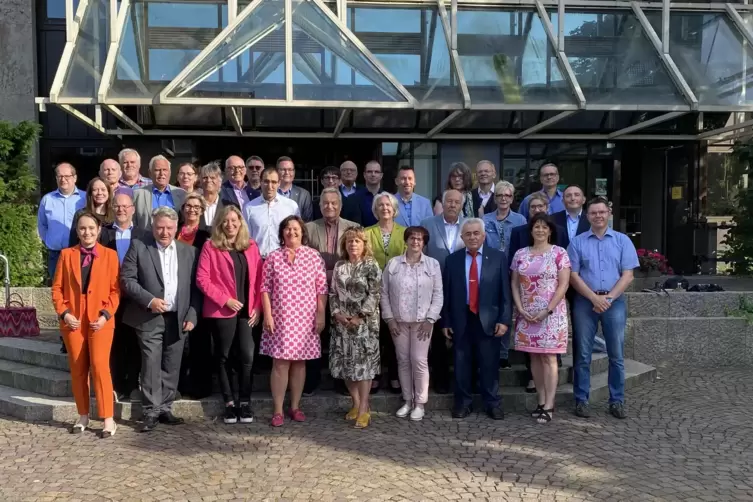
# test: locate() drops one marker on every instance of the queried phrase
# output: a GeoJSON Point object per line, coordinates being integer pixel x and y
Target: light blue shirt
{"type": "Point", "coordinates": [414, 211]}
{"type": "Point", "coordinates": [600, 262]}
{"type": "Point", "coordinates": [451, 233]}
{"type": "Point", "coordinates": [161, 199]}
{"type": "Point", "coordinates": [498, 231]}
{"type": "Point", "coordinates": [55, 217]}
{"type": "Point", "coordinates": [572, 224]}
{"type": "Point", "coordinates": [122, 241]}
{"type": "Point", "coordinates": [479, 261]}
{"type": "Point", "coordinates": [285, 193]}
{"type": "Point", "coordinates": [556, 204]}
{"type": "Point", "coordinates": [347, 192]}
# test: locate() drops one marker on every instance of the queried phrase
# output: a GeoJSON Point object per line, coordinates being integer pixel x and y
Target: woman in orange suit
{"type": "Point", "coordinates": [86, 295]}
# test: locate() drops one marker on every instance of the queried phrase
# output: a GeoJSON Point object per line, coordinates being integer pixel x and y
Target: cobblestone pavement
{"type": "Point", "coordinates": [689, 437]}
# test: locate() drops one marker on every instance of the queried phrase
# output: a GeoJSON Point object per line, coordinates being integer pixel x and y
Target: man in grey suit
{"type": "Point", "coordinates": [301, 196]}
{"type": "Point", "coordinates": [444, 239]}
{"type": "Point", "coordinates": [157, 277]}
{"type": "Point", "coordinates": [160, 193]}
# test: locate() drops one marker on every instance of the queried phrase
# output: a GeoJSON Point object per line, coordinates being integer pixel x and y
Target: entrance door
{"type": "Point", "coordinates": [680, 216]}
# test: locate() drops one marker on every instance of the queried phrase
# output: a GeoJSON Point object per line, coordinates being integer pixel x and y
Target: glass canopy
{"type": "Point", "coordinates": [359, 55]}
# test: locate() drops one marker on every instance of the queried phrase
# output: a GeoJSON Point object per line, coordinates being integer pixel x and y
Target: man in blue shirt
{"type": "Point", "coordinates": [412, 208]}
{"type": "Point", "coordinates": [549, 176]}
{"type": "Point", "coordinates": [55, 215]}
{"type": "Point", "coordinates": [602, 268]}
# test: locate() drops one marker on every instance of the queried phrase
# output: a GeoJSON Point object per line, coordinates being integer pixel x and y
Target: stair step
{"type": "Point", "coordinates": [34, 352]}
{"type": "Point", "coordinates": [46, 381]}
{"type": "Point", "coordinates": [32, 407]}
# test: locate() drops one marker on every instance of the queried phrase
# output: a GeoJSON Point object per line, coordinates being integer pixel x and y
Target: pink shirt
{"type": "Point", "coordinates": [412, 293]}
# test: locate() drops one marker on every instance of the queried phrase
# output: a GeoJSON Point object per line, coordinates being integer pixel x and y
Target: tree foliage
{"type": "Point", "coordinates": [739, 238]}
{"type": "Point", "coordinates": [19, 240]}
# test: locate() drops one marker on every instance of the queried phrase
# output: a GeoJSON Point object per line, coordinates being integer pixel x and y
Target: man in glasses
{"type": "Point", "coordinates": [235, 190]}
{"type": "Point", "coordinates": [299, 195]}
{"type": "Point", "coordinates": [254, 167]}
{"type": "Point", "coordinates": [55, 215]}
{"type": "Point", "coordinates": [549, 176]}
{"type": "Point", "coordinates": [349, 208]}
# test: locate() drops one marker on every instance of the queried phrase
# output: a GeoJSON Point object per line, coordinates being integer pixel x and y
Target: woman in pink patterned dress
{"type": "Point", "coordinates": [294, 295]}
{"type": "Point", "coordinates": [540, 277]}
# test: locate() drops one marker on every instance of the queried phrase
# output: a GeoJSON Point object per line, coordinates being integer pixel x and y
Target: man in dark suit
{"type": "Point", "coordinates": [235, 190]}
{"type": "Point", "coordinates": [572, 218]}
{"type": "Point", "coordinates": [125, 358]}
{"type": "Point", "coordinates": [483, 195]}
{"type": "Point", "coordinates": [474, 321]}
{"type": "Point", "coordinates": [210, 177]}
{"type": "Point", "coordinates": [300, 196]}
{"type": "Point", "coordinates": [350, 209]}
{"type": "Point", "coordinates": [157, 277]}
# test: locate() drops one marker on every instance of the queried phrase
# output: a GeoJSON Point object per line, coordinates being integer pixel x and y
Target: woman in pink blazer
{"type": "Point", "coordinates": [229, 275]}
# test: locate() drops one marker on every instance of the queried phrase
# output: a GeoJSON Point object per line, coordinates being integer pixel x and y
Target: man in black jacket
{"type": "Point", "coordinates": [572, 218]}
{"type": "Point", "coordinates": [350, 210]}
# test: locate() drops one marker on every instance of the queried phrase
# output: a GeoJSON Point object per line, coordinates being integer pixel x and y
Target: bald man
{"type": "Point", "coordinates": [348, 175]}
{"type": "Point", "coordinates": [110, 172]}
{"type": "Point", "coordinates": [235, 190]}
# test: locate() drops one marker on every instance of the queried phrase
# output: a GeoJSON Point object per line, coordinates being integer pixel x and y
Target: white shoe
{"type": "Point", "coordinates": [417, 413]}
{"type": "Point", "coordinates": [404, 410]}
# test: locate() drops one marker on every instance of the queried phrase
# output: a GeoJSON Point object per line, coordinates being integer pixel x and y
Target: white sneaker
{"type": "Point", "coordinates": [417, 413]}
{"type": "Point", "coordinates": [404, 410]}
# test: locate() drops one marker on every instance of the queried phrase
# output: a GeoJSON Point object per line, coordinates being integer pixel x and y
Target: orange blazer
{"type": "Point", "coordinates": [104, 290]}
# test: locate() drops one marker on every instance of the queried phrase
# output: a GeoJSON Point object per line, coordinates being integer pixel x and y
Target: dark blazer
{"type": "Point", "coordinates": [107, 237]}
{"type": "Point", "coordinates": [220, 206]}
{"type": "Point", "coordinates": [141, 280]}
{"type": "Point", "coordinates": [490, 207]}
{"type": "Point", "coordinates": [495, 305]}
{"type": "Point", "coordinates": [520, 237]}
{"type": "Point", "coordinates": [351, 210]}
{"type": "Point", "coordinates": [560, 219]}
{"type": "Point", "coordinates": [302, 197]}
{"type": "Point", "coordinates": [227, 194]}
{"type": "Point", "coordinates": [73, 235]}
{"type": "Point", "coordinates": [202, 235]}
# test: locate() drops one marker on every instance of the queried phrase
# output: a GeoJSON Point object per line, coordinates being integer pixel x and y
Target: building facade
{"type": "Point", "coordinates": [636, 101]}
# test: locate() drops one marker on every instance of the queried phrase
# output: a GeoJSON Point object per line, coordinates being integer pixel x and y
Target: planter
{"type": "Point", "coordinates": [645, 274]}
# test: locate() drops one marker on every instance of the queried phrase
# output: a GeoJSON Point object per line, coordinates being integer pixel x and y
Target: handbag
{"type": "Point", "coordinates": [17, 320]}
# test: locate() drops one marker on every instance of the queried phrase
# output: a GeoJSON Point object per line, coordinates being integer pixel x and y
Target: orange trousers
{"type": "Point", "coordinates": [90, 350]}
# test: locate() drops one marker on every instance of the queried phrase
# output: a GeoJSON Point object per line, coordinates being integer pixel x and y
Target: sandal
{"type": "Point", "coordinates": [363, 421]}
{"type": "Point", "coordinates": [544, 417]}
{"type": "Point", "coordinates": [352, 414]}
{"type": "Point", "coordinates": [535, 413]}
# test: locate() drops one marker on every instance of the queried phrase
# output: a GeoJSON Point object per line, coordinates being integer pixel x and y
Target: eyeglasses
{"type": "Point", "coordinates": [503, 195]}
{"type": "Point", "coordinates": [62, 177]}
{"type": "Point", "coordinates": [457, 176]}
{"type": "Point", "coordinates": [123, 208]}
{"type": "Point", "coordinates": [191, 207]}
{"type": "Point", "coordinates": [236, 168]}
{"type": "Point", "coordinates": [548, 175]}
{"type": "Point", "coordinates": [255, 167]}
{"type": "Point", "coordinates": [286, 170]}
{"type": "Point", "coordinates": [331, 178]}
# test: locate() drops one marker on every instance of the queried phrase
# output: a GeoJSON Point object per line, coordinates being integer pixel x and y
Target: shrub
{"type": "Point", "coordinates": [739, 239]}
{"type": "Point", "coordinates": [19, 240]}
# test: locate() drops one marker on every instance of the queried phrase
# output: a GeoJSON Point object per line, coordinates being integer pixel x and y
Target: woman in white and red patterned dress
{"type": "Point", "coordinates": [294, 295]}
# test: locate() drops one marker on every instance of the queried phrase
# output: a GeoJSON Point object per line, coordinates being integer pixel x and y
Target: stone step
{"type": "Point", "coordinates": [686, 304]}
{"type": "Point", "coordinates": [46, 381]}
{"type": "Point", "coordinates": [31, 406]}
{"type": "Point", "coordinates": [33, 351]}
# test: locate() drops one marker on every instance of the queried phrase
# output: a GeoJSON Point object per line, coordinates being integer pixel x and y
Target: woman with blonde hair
{"type": "Point", "coordinates": [190, 229]}
{"type": "Point", "coordinates": [229, 274]}
{"type": "Point", "coordinates": [354, 305]}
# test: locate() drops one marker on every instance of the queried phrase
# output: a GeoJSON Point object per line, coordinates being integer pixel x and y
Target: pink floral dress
{"type": "Point", "coordinates": [293, 289]}
{"type": "Point", "coordinates": [538, 282]}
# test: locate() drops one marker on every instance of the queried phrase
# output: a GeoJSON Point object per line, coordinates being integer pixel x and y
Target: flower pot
{"type": "Point", "coordinates": [648, 273]}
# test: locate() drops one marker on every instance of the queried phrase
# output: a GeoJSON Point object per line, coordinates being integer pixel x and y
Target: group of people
{"type": "Point", "coordinates": [381, 281]}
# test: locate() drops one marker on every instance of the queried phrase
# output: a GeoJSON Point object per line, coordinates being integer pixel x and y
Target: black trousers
{"type": "Point", "coordinates": [387, 351]}
{"type": "Point", "coordinates": [125, 356]}
{"type": "Point", "coordinates": [196, 363]}
{"type": "Point", "coordinates": [234, 343]}
{"type": "Point", "coordinates": [440, 360]}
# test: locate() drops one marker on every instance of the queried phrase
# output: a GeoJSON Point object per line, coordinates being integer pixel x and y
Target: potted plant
{"type": "Point", "coordinates": [653, 263]}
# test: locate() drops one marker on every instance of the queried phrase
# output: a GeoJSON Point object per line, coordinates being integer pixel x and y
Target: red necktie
{"type": "Point", "coordinates": [473, 284]}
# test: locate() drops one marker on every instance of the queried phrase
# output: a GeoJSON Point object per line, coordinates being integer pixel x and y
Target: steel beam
{"type": "Point", "coordinates": [118, 113]}
{"type": "Point", "coordinates": [235, 118]}
{"type": "Point", "coordinates": [288, 50]}
{"type": "Point", "coordinates": [740, 23]}
{"type": "Point", "coordinates": [667, 60]}
{"type": "Point", "coordinates": [454, 56]}
{"type": "Point", "coordinates": [108, 71]}
{"type": "Point", "coordinates": [232, 10]}
{"type": "Point", "coordinates": [70, 45]}
{"type": "Point", "coordinates": [83, 118]}
{"type": "Point", "coordinates": [341, 121]}
{"type": "Point", "coordinates": [665, 11]}
{"type": "Point", "coordinates": [646, 123]}
{"type": "Point", "coordinates": [545, 123]}
{"type": "Point", "coordinates": [442, 125]}
{"type": "Point", "coordinates": [722, 130]}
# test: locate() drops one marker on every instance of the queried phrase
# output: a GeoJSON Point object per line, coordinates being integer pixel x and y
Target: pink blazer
{"type": "Point", "coordinates": [215, 277]}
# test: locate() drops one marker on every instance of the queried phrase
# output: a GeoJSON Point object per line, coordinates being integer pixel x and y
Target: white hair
{"type": "Point", "coordinates": [331, 190]}
{"type": "Point", "coordinates": [164, 212]}
{"type": "Point", "coordinates": [390, 197]}
{"type": "Point", "coordinates": [128, 151]}
{"type": "Point", "coordinates": [444, 194]}
{"type": "Point", "coordinates": [211, 169]}
{"type": "Point", "coordinates": [472, 221]}
{"type": "Point", "coordinates": [155, 159]}
{"type": "Point", "coordinates": [505, 185]}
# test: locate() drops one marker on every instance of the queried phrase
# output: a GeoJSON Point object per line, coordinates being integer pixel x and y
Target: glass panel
{"type": "Point", "coordinates": [56, 8]}
{"type": "Point", "coordinates": [249, 63]}
{"type": "Point", "coordinates": [411, 44]}
{"type": "Point", "coordinates": [710, 53]}
{"type": "Point", "coordinates": [506, 58]}
{"type": "Point", "coordinates": [613, 60]}
{"type": "Point", "coordinates": [84, 72]}
{"type": "Point", "coordinates": [330, 67]}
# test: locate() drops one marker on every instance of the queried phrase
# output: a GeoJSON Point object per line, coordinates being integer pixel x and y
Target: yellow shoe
{"type": "Point", "coordinates": [363, 421]}
{"type": "Point", "coordinates": [352, 414]}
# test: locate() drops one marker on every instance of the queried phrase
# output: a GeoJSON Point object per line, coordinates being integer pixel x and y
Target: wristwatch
{"type": "Point", "coordinates": [549, 312]}
{"type": "Point", "coordinates": [431, 320]}
{"type": "Point", "coordinates": [609, 299]}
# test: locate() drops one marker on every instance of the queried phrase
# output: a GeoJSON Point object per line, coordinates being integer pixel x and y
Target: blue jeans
{"type": "Point", "coordinates": [585, 322]}
{"type": "Point", "coordinates": [52, 262]}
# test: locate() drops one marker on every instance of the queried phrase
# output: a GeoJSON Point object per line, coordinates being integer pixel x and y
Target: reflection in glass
{"type": "Point", "coordinates": [410, 43]}
{"type": "Point", "coordinates": [613, 60]}
{"type": "Point", "coordinates": [506, 58]}
{"type": "Point", "coordinates": [84, 72]}
{"type": "Point", "coordinates": [711, 55]}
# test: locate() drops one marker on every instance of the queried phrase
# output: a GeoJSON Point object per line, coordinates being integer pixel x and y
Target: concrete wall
{"type": "Point", "coordinates": [17, 61]}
